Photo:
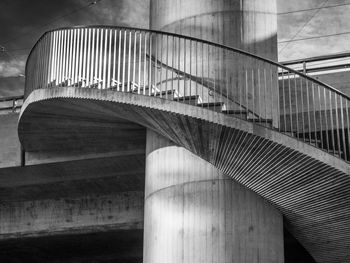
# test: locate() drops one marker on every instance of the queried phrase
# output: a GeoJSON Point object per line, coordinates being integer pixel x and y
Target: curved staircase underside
{"type": "Point", "coordinates": [309, 186]}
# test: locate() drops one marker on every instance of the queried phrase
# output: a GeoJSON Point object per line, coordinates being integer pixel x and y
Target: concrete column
{"type": "Point", "coordinates": [250, 25]}
{"type": "Point", "coordinates": [194, 213]}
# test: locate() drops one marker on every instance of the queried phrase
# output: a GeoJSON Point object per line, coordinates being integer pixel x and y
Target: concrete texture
{"type": "Point", "coordinates": [71, 215]}
{"type": "Point", "coordinates": [246, 25]}
{"type": "Point", "coordinates": [10, 147]}
{"type": "Point", "coordinates": [72, 197]}
{"type": "Point", "coordinates": [298, 178]}
{"type": "Point", "coordinates": [194, 213]}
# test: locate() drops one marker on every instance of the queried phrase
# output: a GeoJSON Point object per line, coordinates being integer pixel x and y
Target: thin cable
{"type": "Point", "coordinates": [311, 9]}
{"type": "Point", "coordinates": [55, 20]}
{"type": "Point", "coordinates": [307, 22]}
{"type": "Point", "coordinates": [315, 37]}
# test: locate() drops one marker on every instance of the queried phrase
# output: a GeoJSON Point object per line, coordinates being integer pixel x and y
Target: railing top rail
{"type": "Point", "coordinates": [197, 40]}
{"type": "Point", "coordinates": [315, 59]}
{"type": "Point", "coordinates": [10, 98]}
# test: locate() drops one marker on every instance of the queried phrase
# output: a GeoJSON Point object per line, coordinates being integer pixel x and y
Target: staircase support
{"type": "Point", "coordinates": [194, 213]}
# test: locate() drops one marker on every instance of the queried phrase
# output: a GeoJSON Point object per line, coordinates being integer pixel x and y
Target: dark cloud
{"type": "Point", "coordinates": [23, 22]}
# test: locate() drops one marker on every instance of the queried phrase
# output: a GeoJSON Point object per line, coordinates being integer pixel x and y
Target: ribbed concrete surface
{"type": "Point", "coordinates": [310, 187]}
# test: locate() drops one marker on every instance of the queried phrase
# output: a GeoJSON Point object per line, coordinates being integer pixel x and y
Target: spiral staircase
{"type": "Point", "coordinates": [276, 131]}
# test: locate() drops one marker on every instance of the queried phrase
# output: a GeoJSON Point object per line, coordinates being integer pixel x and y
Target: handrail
{"type": "Point", "coordinates": [11, 98]}
{"type": "Point", "coordinates": [199, 40]}
{"type": "Point", "coordinates": [194, 71]}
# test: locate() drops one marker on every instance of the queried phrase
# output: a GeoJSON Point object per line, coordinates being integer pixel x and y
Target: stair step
{"type": "Point", "coordinates": [261, 120]}
{"type": "Point", "coordinates": [193, 100]}
{"type": "Point", "coordinates": [211, 104]}
{"type": "Point", "coordinates": [235, 112]}
{"type": "Point", "coordinates": [165, 92]}
{"type": "Point", "coordinates": [215, 106]}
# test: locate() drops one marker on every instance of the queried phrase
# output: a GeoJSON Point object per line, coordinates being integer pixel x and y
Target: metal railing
{"type": "Point", "coordinates": [11, 103]}
{"type": "Point", "coordinates": [197, 72]}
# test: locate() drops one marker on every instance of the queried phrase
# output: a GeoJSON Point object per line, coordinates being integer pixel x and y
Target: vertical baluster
{"type": "Point", "coordinates": [184, 70]}
{"type": "Point", "coordinates": [54, 76]}
{"type": "Point", "coordinates": [332, 123]}
{"type": "Point", "coordinates": [302, 106]}
{"type": "Point", "coordinates": [275, 105]}
{"type": "Point", "coordinates": [87, 84]}
{"type": "Point", "coordinates": [84, 80]}
{"type": "Point", "coordinates": [124, 58]}
{"type": "Point", "coordinates": [265, 95]}
{"type": "Point", "coordinates": [65, 58]}
{"type": "Point", "coordinates": [76, 59]}
{"type": "Point", "coordinates": [41, 65]}
{"type": "Point", "coordinates": [342, 127]}
{"type": "Point", "coordinates": [347, 118]}
{"type": "Point", "coordinates": [172, 65]}
{"type": "Point", "coordinates": [296, 105]}
{"type": "Point", "coordinates": [178, 66]}
{"type": "Point", "coordinates": [156, 65]}
{"type": "Point", "coordinates": [50, 56]}
{"type": "Point", "coordinates": [326, 118]}
{"type": "Point", "coordinates": [161, 59]}
{"type": "Point", "coordinates": [336, 96]}
{"type": "Point", "coordinates": [284, 102]}
{"type": "Point", "coordinates": [38, 69]}
{"type": "Point", "coordinates": [196, 56]}
{"type": "Point", "coordinates": [109, 54]}
{"type": "Point", "coordinates": [145, 65]}
{"type": "Point", "coordinates": [290, 104]}
{"type": "Point", "coordinates": [258, 106]}
{"type": "Point", "coordinates": [47, 59]}
{"type": "Point", "coordinates": [61, 57]}
{"type": "Point", "coordinates": [80, 74]}
{"type": "Point", "coordinates": [101, 64]}
{"type": "Point", "coordinates": [42, 71]}
{"type": "Point", "coordinates": [92, 68]}
{"type": "Point", "coordinates": [314, 111]}
{"type": "Point", "coordinates": [255, 115]}
{"type": "Point", "coordinates": [190, 72]}
{"type": "Point", "coordinates": [166, 69]}
{"type": "Point", "coordinates": [104, 71]}
{"type": "Point", "coordinates": [59, 67]}
{"type": "Point", "coordinates": [140, 51]}
{"type": "Point", "coordinates": [320, 114]}
{"type": "Point", "coordinates": [150, 65]}
{"type": "Point", "coordinates": [119, 59]}
{"type": "Point", "coordinates": [71, 36]}
{"type": "Point", "coordinates": [208, 76]}
{"type": "Point", "coordinates": [202, 75]}
{"type": "Point", "coordinates": [134, 64]}
{"type": "Point", "coordinates": [129, 62]}
{"type": "Point", "coordinates": [247, 91]}
{"type": "Point", "coordinates": [113, 82]}
{"type": "Point", "coordinates": [308, 108]}
{"type": "Point", "coordinates": [97, 57]}
{"type": "Point", "coordinates": [58, 57]}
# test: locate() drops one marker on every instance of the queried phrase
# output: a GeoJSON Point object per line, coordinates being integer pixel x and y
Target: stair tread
{"type": "Point", "coordinates": [235, 112]}
{"type": "Point", "coordinates": [211, 104]}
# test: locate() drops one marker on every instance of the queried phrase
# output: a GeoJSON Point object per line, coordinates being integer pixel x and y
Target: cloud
{"type": "Point", "coordinates": [12, 68]}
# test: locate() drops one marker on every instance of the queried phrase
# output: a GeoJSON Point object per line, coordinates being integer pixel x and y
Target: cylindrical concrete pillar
{"type": "Point", "coordinates": [196, 214]}
{"type": "Point", "coordinates": [251, 25]}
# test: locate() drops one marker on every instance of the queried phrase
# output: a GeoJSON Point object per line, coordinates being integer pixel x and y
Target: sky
{"type": "Point", "coordinates": [24, 21]}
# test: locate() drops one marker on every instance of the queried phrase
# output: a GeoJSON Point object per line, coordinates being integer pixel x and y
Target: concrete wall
{"type": "Point", "coordinates": [71, 215]}
{"type": "Point", "coordinates": [10, 147]}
